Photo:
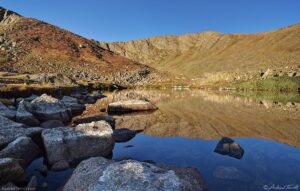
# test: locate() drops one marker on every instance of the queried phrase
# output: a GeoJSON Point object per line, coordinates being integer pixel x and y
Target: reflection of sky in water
{"type": "Point", "coordinates": [264, 162]}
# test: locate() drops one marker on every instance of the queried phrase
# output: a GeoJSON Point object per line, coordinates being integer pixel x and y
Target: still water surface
{"type": "Point", "coordinates": [188, 125]}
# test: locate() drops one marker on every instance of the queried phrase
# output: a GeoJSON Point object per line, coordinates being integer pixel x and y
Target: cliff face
{"type": "Point", "coordinates": [32, 46]}
{"type": "Point", "coordinates": [7, 16]}
{"type": "Point", "coordinates": [195, 55]}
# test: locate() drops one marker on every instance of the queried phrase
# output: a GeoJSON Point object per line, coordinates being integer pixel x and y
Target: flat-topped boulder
{"type": "Point", "coordinates": [11, 171]}
{"type": "Point", "coordinates": [103, 174]}
{"type": "Point", "coordinates": [75, 144]}
{"type": "Point", "coordinates": [22, 148]}
{"type": "Point", "coordinates": [24, 116]}
{"type": "Point", "coordinates": [7, 112]}
{"type": "Point", "coordinates": [130, 106]}
{"type": "Point", "coordinates": [106, 118]}
{"type": "Point", "coordinates": [47, 108]}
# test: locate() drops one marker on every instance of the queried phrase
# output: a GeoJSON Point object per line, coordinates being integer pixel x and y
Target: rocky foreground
{"type": "Point", "coordinates": [40, 126]}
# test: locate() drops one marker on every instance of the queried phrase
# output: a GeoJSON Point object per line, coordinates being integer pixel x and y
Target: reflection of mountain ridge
{"type": "Point", "coordinates": [206, 115]}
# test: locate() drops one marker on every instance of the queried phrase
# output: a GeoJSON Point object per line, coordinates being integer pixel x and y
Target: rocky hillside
{"type": "Point", "coordinates": [32, 46]}
{"type": "Point", "coordinates": [196, 55]}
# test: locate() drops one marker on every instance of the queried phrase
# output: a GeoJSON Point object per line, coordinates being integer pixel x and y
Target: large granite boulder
{"type": "Point", "coordinates": [24, 116]}
{"type": "Point", "coordinates": [227, 146]}
{"type": "Point", "coordinates": [103, 174]}
{"type": "Point", "coordinates": [130, 106]}
{"type": "Point", "coordinates": [22, 148]}
{"type": "Point", "coordinates": [73, 104]}
{"type": "Point", "coordinates": [47, 108]}
{"type": "Point", "coordinates": [81, 142]}
{"type": "Point", "coordinates": [10, 130]}
{"type": "Point", "coordinates": [7, 112]}
{"type": "Point", "coordinates": [11, 171]}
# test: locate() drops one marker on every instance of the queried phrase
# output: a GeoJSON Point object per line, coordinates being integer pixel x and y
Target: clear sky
{"type": "Point", "coordinates": [122, 20]}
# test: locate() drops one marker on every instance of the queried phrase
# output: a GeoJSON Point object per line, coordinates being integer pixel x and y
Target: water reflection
{"type": "Point", "coordinates": [190, 124]}
{"type": "Point", "coordinates": [209, 116]}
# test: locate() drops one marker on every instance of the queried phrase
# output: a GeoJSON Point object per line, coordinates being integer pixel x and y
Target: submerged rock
{"type": "Point", "coordinates": [24, 116]}
{"type": "Point", "coordinates": [81, 142]}
{"type": "Point", "coordinates": [130, 106]}
{"type": "Point", "coordinates": [227, 146]}
{"type": "Point", "coordinates": [60, 165]}
{"type": "Point", "coordinates": [47, 108]}
{"type": "Point", "coordinates": [6, 112]}
{"type": "Point", "coordinates": [52, 124]}
{"type": "Point", "coordinates": [11, 171]}
{"type": "Point", "coordinates": [231, 173]}
{"type": "Point", "coordinates": [22, 148]}
{"type": "Point", "coordinates": [103, 174]}
{"type": "Point", "coordinates": [123, 135]}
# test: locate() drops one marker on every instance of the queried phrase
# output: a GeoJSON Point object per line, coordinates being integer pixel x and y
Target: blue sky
{"type": "Point", "coordinates": [122, 20]}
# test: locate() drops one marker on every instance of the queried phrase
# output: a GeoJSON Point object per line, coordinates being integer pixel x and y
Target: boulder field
{"type": "Point", "coordinates": [36, 126]}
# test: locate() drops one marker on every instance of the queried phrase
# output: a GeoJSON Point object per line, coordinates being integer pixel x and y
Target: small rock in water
{"type": "Point", "coordinates": [130, 106]}
{"type": "Point", "coordinates": [123, 135]}
{"type": "Point", "coordinates": [60, 166]}
{"type": "Point", "coordinates": [227, 146]}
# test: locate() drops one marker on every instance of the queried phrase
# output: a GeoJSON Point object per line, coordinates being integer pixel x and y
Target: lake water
{"type": "Point", "coordinates": [189, 124]}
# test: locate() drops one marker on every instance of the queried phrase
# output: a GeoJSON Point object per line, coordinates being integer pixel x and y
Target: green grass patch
{"type": "Point", "coordinates": [282, 84]}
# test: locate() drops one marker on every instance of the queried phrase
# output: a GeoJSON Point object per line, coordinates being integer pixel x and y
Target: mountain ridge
{"type": "Point", "coordinates": [199, 53]}
{"type": "Point", "coordinates": [31, 46]}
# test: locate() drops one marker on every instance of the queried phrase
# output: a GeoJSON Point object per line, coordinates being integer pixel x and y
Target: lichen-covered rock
{"type": "Point", "coordinates": [24, 116]}
{"type": "Point", "coordinates": [10, 130]}
{"type": "Point", "coordinates": [227, 146]}
{"type": "Point", "coordinates": [47, 108]}
{"type": "Point", "coordinates": [103, 174]}
{"type": "Point", "coordinates": [81, 142]}
{"type": "Point", "coordinates": [130, 106]}
{"type": "Point", "coordinates": [22, 148]}
{"type": "Point", "coordinates": [108, 119]}
{"type": "Point", "coordinates": [73, 105]}
{"type": "Point", "coordinates": [11, 171]}
{"type": "Point", "coordinates": [52, 124]}
{"type": "Point", "coordinates": [7, 112]}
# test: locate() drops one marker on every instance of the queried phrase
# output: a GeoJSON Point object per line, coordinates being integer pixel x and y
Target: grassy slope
{"type": "Point", "coordinates": [196, 54]}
